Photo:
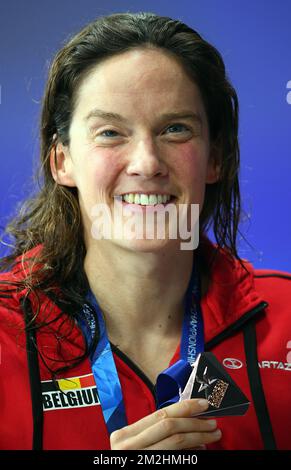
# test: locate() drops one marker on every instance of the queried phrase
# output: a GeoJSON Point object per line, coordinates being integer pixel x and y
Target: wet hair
{"type": "Point", "coordinates": [51, 218]}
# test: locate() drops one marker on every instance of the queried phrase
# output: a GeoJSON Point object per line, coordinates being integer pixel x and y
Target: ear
{"type": "Point", "coordinates": [61, 165]}
{"type": "Point", "coordinates": [213, 165]}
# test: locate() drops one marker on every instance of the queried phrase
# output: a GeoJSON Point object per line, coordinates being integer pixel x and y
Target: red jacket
{"type": "Point", "coordinates": [247, 327]}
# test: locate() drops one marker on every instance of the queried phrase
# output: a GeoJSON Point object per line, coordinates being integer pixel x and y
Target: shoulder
{"type": "Point", "coordinates": [273, 282]}
{"type": "Point", "coordinates": [275, 288]}
{"type": "Point", "coordinates": [11, 314]}
{"type": "Point", "coordinates": [12, 324]}
{"type": "Point", "coordinates": [13, 289]}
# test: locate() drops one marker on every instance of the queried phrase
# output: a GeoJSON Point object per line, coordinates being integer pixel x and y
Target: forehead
{"type": "Point", "coordinates": [138, 79]}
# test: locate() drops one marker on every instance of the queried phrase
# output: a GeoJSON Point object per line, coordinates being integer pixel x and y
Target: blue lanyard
{"type": "Point", "coordinates": [192, 342]}
{"type": "Point", "coordinates": [104, 368]}
{"type": "Point", "coordinates": [172, 381]}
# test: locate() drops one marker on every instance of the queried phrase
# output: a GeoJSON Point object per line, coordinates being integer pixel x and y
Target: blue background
{"type": "Point", "coordinates": [254, 38]}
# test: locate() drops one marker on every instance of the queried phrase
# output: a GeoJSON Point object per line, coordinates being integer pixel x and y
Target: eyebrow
{"type": "Point", "coordinates": [109, 116]}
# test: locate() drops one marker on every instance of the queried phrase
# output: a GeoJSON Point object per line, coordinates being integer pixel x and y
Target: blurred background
{"type": "Point", "coordinates": [254, 38]}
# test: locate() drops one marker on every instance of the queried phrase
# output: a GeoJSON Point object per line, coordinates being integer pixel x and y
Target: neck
{"type": "Point", "coordinates": [139, 293]}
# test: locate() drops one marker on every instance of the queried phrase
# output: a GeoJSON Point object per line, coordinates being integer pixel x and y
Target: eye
{"type": "Point", "coordinates": [177, 125]}
{"type": "Point", "coordinates": [108, 131]}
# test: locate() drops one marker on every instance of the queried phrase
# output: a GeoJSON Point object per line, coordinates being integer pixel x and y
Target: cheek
{"type": "Point", "coordinates": [99, 172]}
{"type": "Point", "coordinates": [96, 177]}
{"type": "Point", "coordinates": [191, 167]}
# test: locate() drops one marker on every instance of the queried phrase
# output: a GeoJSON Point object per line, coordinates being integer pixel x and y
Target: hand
{"type": "Point", "coordinates": [171, 428]}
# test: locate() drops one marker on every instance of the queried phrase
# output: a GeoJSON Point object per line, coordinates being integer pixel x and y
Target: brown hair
{"type": "Point", "coordinates": [52, 217]}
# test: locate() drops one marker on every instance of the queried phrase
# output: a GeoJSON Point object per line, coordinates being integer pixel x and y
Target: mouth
{"type": "Point", "coordinates": [146, 200]}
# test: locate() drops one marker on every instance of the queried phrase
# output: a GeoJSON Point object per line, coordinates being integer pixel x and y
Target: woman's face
{"type": "Point", "coordinates": [144, 149]}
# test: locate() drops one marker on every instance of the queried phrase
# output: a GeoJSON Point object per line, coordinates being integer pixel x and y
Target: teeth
{"type": "Point", "coordinates": [153, 199]}
{"type": "Point", "coordinates": [146, 199]}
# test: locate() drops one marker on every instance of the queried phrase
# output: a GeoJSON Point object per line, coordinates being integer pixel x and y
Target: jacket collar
{"type": "Point", "coordinates": [231, 294]}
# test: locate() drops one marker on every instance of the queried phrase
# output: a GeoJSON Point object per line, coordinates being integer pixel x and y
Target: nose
{"type": "Point", "coordinates": [145, 160]}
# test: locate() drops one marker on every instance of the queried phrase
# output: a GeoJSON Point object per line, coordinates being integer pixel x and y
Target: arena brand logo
{"type": "Point", "coordinates": [275, 365]}
{"type": "Point", "coordinates": [288, 97]}
{"type": "Point", "coordinates": [232, 363]}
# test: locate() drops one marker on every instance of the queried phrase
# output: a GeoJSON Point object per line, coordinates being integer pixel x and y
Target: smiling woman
{"type": "Point", "coordinates": [141, 157]}
{"type": "Point", "coordinates": [138, 118]}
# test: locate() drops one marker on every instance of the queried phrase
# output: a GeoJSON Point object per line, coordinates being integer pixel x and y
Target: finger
{"type": "Point", "coordinates": [202, 447]}
{"type": "Point", "coordinates": [186, 441]}
{"type": "Point", "coordinates": [169, 427]}
{"type": "Point", "coordinates": [181, 409]}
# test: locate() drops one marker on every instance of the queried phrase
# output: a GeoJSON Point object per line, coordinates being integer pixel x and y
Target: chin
{"type": "Point", "coordinates": [147, 245]}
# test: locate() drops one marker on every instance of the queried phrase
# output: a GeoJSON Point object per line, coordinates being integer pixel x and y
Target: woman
{"type": "Point", "coordinates": [137, 111]}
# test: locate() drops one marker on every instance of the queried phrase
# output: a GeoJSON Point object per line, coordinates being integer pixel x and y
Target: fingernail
{"type": "Point", "coordinates": [212, 423]}
{"type": "Point", "coordinates": [203, 403]}
{"type": "Point", "coordinates": [217, 434]}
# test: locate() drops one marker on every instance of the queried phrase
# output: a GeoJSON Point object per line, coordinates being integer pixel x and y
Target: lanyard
{"type": "Point", "coordinates": [104, 368]}
{"type": "Point", "coordinates": [192, 342]}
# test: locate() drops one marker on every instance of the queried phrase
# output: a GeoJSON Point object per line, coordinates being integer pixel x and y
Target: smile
{"type": "Point", "coordinates": [146, 199]}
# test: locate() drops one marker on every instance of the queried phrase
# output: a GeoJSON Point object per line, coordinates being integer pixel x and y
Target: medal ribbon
{"type": "Point", "coordinates": [169, 383]}
{"type": "Point", "coordinates": [172, 381]}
